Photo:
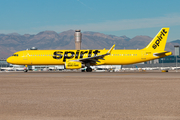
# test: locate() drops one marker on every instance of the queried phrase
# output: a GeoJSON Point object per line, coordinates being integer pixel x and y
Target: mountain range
{"type": "Point", "coordinates": [10, 43]}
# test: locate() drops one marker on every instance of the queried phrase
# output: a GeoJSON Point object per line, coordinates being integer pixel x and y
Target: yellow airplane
{"type": "Point", "coordinates": [76, 59]}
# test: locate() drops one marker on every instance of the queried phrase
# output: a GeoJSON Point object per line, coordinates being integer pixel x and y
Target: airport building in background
{"type": "Point", "coordinates": [170, 59]}
{"type": "Point", "coordinates": [3, 63]}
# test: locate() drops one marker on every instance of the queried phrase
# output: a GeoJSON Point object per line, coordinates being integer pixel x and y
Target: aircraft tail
{"type": "Point", "coordinates": [159, 41]}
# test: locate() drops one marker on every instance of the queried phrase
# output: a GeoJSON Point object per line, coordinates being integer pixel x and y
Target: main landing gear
{"type": "Point", "coordinates": [26, 68]}
{"type": "Point", "coordinates": [88, 69]}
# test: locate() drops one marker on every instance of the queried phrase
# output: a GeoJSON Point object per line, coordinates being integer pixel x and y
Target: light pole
{"type": "Point", "coordinates": [176, 53]}
{"type": "Point", "coordinates": [176, 63]}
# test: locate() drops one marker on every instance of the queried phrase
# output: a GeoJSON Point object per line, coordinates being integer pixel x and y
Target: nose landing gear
{"type": "Point", "coordinates": [26, 68]}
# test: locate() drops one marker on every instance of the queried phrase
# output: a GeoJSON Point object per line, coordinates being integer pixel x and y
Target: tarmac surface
{"type": "Point", "coordinates": [89, 96]}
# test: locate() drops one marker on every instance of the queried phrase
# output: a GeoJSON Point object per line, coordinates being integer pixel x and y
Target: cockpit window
{"type": "Point", "coordinates": [15, 55]}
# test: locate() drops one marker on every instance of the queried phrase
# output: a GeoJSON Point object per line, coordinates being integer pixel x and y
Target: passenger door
{"type": "Point", "coordinates": [25, 55]}
{"type": "Point", "coordinates": [143, 55]}
{"type": "Point", "coordinates": [26, 58]}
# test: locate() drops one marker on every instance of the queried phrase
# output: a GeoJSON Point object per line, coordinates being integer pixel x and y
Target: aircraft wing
{"type": "Point", "coordinates": [95, 59]}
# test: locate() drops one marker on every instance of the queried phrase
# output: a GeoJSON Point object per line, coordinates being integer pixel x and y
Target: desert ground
{"type": "Point", "coordinates": [89, 96]}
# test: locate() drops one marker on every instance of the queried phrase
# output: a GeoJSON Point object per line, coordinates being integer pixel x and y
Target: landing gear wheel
{"type": "Point", "coordinates": [26, 68]}
{"type": "Point", "coordinates": [88, 69]}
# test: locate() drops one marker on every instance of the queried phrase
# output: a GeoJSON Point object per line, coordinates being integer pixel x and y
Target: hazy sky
{"type": "Point", "coordinates": [116, 17]}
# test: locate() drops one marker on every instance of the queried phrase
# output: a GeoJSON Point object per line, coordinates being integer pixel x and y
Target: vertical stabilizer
{"type": "Point", "coordinates": [159, 41]}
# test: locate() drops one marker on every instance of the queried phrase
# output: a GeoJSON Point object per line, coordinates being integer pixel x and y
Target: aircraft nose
{"type": "Point", "coordinates": [9, 60]}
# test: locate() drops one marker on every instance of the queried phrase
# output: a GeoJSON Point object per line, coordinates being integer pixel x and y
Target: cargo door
{"type": "Point", "coordinates": [143, 55]}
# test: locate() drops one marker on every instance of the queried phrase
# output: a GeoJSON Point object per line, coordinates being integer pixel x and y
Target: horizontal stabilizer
{"type": "Point", "coordinates": [163, 53]}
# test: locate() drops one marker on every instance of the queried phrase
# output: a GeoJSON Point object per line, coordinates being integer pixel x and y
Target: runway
{"type": "Point", "coordinates": [89, 96]}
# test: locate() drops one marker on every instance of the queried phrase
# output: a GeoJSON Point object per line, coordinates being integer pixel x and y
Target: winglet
{"type": "Point", "coordinates": [109, 52]}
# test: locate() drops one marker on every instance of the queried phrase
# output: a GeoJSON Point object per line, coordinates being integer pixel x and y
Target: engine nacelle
{"type": "Point", "coordinates": [73, 65]}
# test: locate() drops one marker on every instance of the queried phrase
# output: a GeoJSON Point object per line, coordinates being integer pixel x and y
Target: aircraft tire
{"type": "Point", "coordinates": [89, 69]}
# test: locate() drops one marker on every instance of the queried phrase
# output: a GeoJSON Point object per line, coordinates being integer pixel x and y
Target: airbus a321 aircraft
{"type": "Point", "coordinates": [76, 59]}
